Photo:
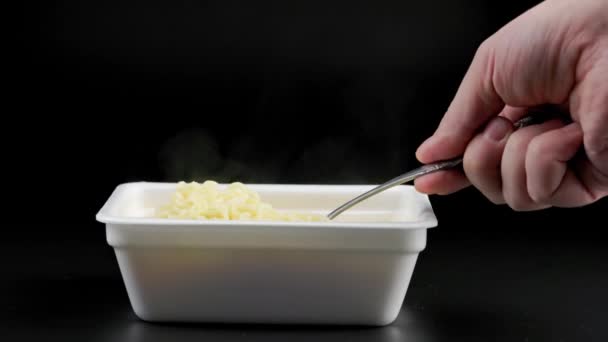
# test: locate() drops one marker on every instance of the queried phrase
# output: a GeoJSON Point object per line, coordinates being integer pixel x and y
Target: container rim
{"type": "Point", "coordinates": [427, 218]}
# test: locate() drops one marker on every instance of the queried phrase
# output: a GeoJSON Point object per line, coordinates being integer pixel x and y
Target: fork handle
{"type": "Point", "coordinates": [404, 178]}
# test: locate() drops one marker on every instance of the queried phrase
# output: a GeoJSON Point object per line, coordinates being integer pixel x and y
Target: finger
{"type": "Point", "coordinates": [483, 156]}
{"type": "Point", "coordinates": [596, 137]}
{"type": "Point", "coordinates": [513, 166]}
{"type": "Point", "coordinates": [513, 113]}
{"type": "Point", "coordinates": [549, 180]}
{"type": "Point", "coordinates": [475, 102]}
{"type": "Point", "coordinates": [589, 106]}
{"type": "Point", "coordinates": [573, 192]}
{"type": "Point", "coordinates": [442, 182]}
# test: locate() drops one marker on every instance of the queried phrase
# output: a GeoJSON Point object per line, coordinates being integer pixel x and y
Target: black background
{"type": "Point", "coordinates": [108, 92]}
{"type": "Point", "coordinates": [254, 91]}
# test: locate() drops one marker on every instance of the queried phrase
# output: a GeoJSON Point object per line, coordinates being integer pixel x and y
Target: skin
{"type": "Point", "coordinates": [555, 53]}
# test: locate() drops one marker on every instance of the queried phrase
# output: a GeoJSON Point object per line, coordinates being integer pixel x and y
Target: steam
{"type": "Point", "coordinates": [371, 144]}
{"type": "Point", "coordinates": [194, 155]}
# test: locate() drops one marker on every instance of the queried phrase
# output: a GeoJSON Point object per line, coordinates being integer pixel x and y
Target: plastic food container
{"type": "Point", "coordinates": [354, 270]}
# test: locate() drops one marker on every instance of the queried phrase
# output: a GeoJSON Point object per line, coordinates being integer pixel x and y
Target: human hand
{"type": "Point", "coordinates": [556, 53]}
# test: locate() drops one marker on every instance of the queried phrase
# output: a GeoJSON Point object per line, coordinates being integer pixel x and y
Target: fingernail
{"type": "Point", "coordinates": [497, 129]}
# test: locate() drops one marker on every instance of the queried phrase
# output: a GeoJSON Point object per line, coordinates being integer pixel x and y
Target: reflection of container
{"type": "Point", "coordinates": [353, 270]}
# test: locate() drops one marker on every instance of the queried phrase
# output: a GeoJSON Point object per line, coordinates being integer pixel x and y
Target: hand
{"type": "Point", "coordinates": [556, 53]}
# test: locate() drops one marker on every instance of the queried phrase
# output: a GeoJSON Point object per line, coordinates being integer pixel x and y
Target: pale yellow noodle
{"type": "Point", "coordinates": [206, 201]}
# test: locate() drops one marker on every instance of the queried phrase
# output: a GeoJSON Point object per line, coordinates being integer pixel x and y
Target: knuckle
{"type": "Point", "coordinates": [482, 169]}
{"type": "Point", "coordinates": [519, 207]}
{"type": "Point", "coordinates": [496, 200]}
{"type": "Point", "coordinates": [595, 129]}
{"type": "Point", "coordinates": [474, 162]}
{"type": "Point", "coordinates": [485, 60]}
{"type": "Point", "coordinates": [518, 203]}
{"type": "Point", "coordinates": [517, 141]}
{"type": "Point", "coordinates": [485, 47]}
{"type": "Point", "coordinates": [539, 194]}
{"type": "Point", "coordinates": [535, 163]}
{"type": "Point", "coordinates": [481, 157]}
{"type": "Point", "coordinates": [515, 206]}
{"type": "Point", "coordinates": [471, 163]}
{"type": "Point", "coordinates": [596, 141]}
{"type": "Point", "coordinates": [537, 149]}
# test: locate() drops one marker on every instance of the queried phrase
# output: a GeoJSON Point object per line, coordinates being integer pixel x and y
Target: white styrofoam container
{"type": "Point", "coordinates": [353, 270]}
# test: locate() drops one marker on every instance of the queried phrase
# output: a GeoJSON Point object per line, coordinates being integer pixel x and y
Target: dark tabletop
{"type": "Point", "coordinates": [469, 287]}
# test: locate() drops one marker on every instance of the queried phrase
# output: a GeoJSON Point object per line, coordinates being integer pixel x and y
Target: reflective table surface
{"type": "Point", "coordinates": [465, 287]}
